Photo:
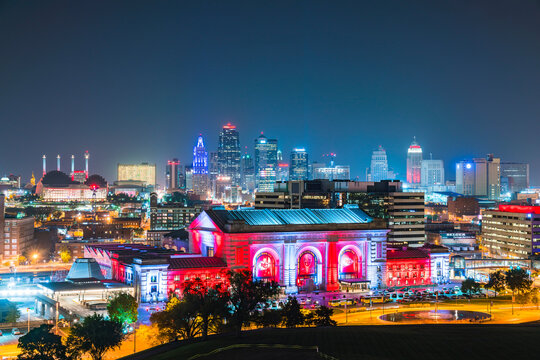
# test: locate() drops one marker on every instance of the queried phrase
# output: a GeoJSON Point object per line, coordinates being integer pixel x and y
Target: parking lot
{"type": "Point", "coordinates": [399, 295]}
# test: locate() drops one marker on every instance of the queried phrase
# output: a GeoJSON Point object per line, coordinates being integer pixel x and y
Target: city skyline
{"type": "Point", "coordinates": [375, 80]}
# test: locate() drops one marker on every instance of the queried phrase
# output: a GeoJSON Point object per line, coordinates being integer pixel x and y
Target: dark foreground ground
{"type": "Point", "coordinates": [365, 342]}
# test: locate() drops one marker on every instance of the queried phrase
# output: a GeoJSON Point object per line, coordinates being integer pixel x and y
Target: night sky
{"type": "Point", "coordinates": [138, 81]}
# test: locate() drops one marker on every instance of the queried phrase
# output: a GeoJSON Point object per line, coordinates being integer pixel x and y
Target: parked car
{"type": "Point", "coordinates": [16, 331]}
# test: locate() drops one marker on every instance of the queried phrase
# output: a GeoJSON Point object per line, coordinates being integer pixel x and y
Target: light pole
{"type": "Point", "coordinates": [28, 316]}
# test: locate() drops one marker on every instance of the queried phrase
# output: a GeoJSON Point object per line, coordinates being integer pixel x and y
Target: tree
{"type": "Point", "coordinates": [41, 344]}
{"type": "Point", "coordinates": [210, 302]}
{"type": "Point", "coordinates": [123, 308]}
{"type": "Point", "coordinates": [65, 254]}
{"type": "Point", "coordinates": [470, 286]}
{"type": "Point", "coordinates": [292, 313]}
{"type": "Point", "coordinates": [178, 321]}
{"type": "Point", "coordinates": [323, 317]}
{"type": "Point", "coordinates": [246, 294]}
{"type": "Point", "coordinates": [269, 318]}
{"type": "Point", "coordinates": [534, 297]}
{"type": "Point", "coordinates": [13, 314]}
{"type": "Point", "coordinates": [496, 282]}
{"type": "Point", "coordinates": [95, 335]}
{"type": "Point", "coordinates": [518, 281]}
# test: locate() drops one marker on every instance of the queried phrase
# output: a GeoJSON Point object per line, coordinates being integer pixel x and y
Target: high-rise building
{"type": "Point", "coordinates": [17, 234]}
{"type": "Point", "coordinates": [282, 172]}
{"type": "Point", "coordinates": [174, 176]}
{"type": "Point", "coordinates": [213, 165]}
{"type": "Point", "coordinates": [480, 177]}
{"type": "Point", "coordinates": [266, 163]}
{"type": "Point", "coordinates": [378, 170]}
{"type": "Point", "coordinates": [299, 164]}
{"type": "Point", "coordinates": [248, 173]}
{"type": "Point", "coordinates": [141, 172]}
{"type": "Point", "coordinates": [512, 231]}
{"type": "Point", "coordinates": [414, 163]}
{"type": "Point", "coordinates": [229, 153]}
{"type": "Point", "coordinates": [200, 168]}
{"type": "Point", "coordinates": [514, 177]}
{"type": "Point", "coordinates": [189, 177]}
{"type": "Point", "coordinates": [336, 172]}
{"type": "Point", "coordinates": [432, 172]}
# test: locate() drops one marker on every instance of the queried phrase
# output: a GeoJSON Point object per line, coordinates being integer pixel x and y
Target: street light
{"type": "Point", "coordinates": [28, 316]}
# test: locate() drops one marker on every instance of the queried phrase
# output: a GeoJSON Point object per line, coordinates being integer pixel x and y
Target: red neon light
{"type": "Point", "coordinates": [229, 126]}
{"type": "Point", "coordinates": [522, 209]}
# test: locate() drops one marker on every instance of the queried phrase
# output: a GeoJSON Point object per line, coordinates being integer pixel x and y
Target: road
{"type": "Point", "coordinates": [55, 266]}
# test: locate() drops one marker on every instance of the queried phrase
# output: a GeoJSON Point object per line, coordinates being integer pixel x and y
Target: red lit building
{"type": "Point", "coordinates": [301, 249]}
{"type": "Point", "coordinates": [155, 272]}
{"type": "Point", "coordinates": [407, 267]}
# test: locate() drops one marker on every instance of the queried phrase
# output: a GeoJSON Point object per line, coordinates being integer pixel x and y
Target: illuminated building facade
{"type": "Point", "coordinates": [414, 163]}
{"type": "Point", "coordinates": [174, 176]}
{"type": "Point", "coordinates": [303, 250]}
{"type": "Point", "coordinates": [142, 172]}
{"type": "Point", "coordinates": [229, 153]}
{"type": "Point", "coordinates": [429, 264]}
{"type": "Point", "coordinates": [299, 164]}
{"type": "Point", "coordinates": [200, 169]}
{"type": "Point", "coordinates": [248, 173]}
{"type": "Point", "coordinates": [432, 173]}
{"type": "Point", "coordinates": [512, 231]}
{"type": "Point", "coordinates": [155, 272]}
{"type": "Point", "coordinates": [57, 186]}
{"type": "Point", "coordinates": [165, 218]}
{"type": "Point", "coordinates": [266, 163]}
{"type": "Point", "coordinates": [332, 172]}
{"type": "Point", "coordinates": [514, 177]}
{"type": "Point", "coordinates": [16, 234]}
{"type": "Point", "coordinates": [480, 177]}
{"type": "Point", "coordinates": [378, 169]}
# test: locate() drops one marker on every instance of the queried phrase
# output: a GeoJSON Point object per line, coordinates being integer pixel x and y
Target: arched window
{"type": "Point", "coordinates": [265, 267]}
{"type": "Point", "coordinates": [307, 268]}
{"type": "Point", "coordinates": [348, 265]}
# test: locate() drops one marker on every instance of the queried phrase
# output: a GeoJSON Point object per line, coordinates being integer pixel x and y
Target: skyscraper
{"type": "Point", "coordinates": [378, 170]}
{"type": "Point", "coordinates": [248, 172]}
{"type": "Point", "coordinates": [480, 177]}
{"type": "Point", "coordinates": [200, 168]}
{"type": "Point", "coordinates": [229, 153]}
{"type": "Point", "coordinates": [144, 172]}
{"type": "Point", "coordinates": [514, 177]}
{"type": "Point", "coordinates": [265, 163]}
{"type": "Point", "coordinates": [174, 176]}
{"type": "Point", "coordinates": [299, 164]}
{"type": "Point", "coordinates": [414, 163]}
{"type": "Point", "coordinates": [432, 172]}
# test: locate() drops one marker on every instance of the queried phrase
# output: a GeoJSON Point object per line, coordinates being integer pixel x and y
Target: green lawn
{"type": "Point", "coordinates": [376, 342]}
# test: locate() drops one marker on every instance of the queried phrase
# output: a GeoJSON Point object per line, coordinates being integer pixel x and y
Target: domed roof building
{"type": "Point", "coordinates": [57, 186]}
{"type": "Point", "coordinates": [57, 178]}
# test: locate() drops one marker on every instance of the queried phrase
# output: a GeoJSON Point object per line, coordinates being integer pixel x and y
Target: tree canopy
{"type": "Point", "coordinates": [123, 308]}
{"type": "Point", "coordinates": [497, 281]}
{"type": "Point", "coordinates": [246, 294]}
{"type": "Point", "coordinates": [95, 335]}
{"type": "Point", "coordinates": [41, 344]}
{"type": "Point", "coordinates": [518, 280]}
{"type": "Point", "coordinates": [292, 313]}
{"type": "Point", "coordinates": [470, 286]}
